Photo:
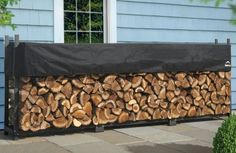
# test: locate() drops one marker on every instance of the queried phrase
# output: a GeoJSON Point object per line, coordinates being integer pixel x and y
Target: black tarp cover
{"type": "Point", "coordinates": [36, 59]}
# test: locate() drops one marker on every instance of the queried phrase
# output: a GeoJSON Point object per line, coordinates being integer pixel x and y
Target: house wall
{"type": "Point", "coordinates": [34, 21]}
{"type": "Point", "coordinates": [137, 21]}
{"type": "Point", "coordinates": [176, 21]}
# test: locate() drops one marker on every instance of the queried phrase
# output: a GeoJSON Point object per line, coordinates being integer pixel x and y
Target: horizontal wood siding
{"type": "Point", "coordinates": [176, 21]}
{"type": "Point", "coordinates": [34, 21]}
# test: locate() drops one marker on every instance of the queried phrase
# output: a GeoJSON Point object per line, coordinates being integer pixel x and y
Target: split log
{"type": "Point", "coordinates": [156, 114]}
{"type": "Point", "coordinates": [62, 102]}
{"type": "Point", "coordinates": [127, 85]}
{"type": "Point", "coordinates": [42, 91]}
{"type": "Point", "coordinates": [110, 79]}
{"type": "Point", "coordinates": [76, 123]}
{"type": "Point", "coordinates": [23, 95]}
{"type": "Point", "coordinates": [45, 125]}
{"type": "Point", "coordinates": [74, 99]}
{"type": "Point", "coordinates": [60, 122]}
{"type": "Point", "coordinates": [88, 88]}
{"type": "Point", "coordinates": [25, 122]}
{"type": "Point", "coordinates": [74, 107]}
{"type": "Point", "coordinates": [144, 83]}
{"type": "Point", "coordinates": [42, 103]}
{"type": "Point", "coordinates": [87, 80]}
{"type": "Point", "coordinates": [33, 91]}
{"type": "Point", "coordinates": [161, 76]}
{"type": "Point", "coordinates": [136, 81]}
{"type": "Point", "coordinates": [85, 98]}
{"type": "Point", "coordinates": [88, 109]}
{"type": "Point", "coordinates": [96, 99]}
{"type": "Point", "coordinates": [142, 115]}
{"type": "Point", "coordinates": [124, 117]}
{"type": "Point", "coordinates": [149, 78]}
{"type": "Point", "coordinates": [110, 104]}
{"type": "Point", "coordinates": [192, 111]}
{"type": "Point", "coordinates": [79, 114]}
{"type": "Point", "coordinates": [136, 108]}
{"type": "Point", "coordinates": [67, 90]}
{"type": "Point", "coordinates": [171, 85]}
{"type": "Point", "coordinates": [77, 83]}
{"type": "Point", "coordinates": [116, 111]}
{"type": "Point", "coordinates": [115, 86]}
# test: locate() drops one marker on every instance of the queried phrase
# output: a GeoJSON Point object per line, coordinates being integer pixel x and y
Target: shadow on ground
{"type": "Point", "coordinates": [5, 137]}
{"type": "Point", "coordinates": [168, 148]}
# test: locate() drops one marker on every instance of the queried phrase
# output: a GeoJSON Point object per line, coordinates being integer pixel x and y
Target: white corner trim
{"type": "Point", "coordinates": [111, 21]}
{"type": "Point", "coordinates": [58, 21]}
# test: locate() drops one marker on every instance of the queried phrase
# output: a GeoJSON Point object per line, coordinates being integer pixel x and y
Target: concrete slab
{"type": "Point", "coordinates": [96, 147]}
{"type": "Point", "coordinates": [4, 142]}
{"type": "Point", "coordinates": [27, 140]}
{"type": "Point", "coordinates": [194, 146]}
{"type": "Point", "coordinates": [3, 139]}
{"type": "Point", "coordinates": [176, 129]}
{"type": "Point", "coordinates": [37, 147]}
{"type": "Point", "coordinates": [206, 125]}
{"type": "Point", "coordinates": [200, 134]}
{"type": "Point", "coordinates": [72, 139]}
{"type": "Point", "coordinates": [115, 137]}
{"type": "Point", "coordinates": [155, 135]}
{"type": "Point", "coordinates": [135, 131]}
{"type": "Point", "coordinates": [193, 142]}
{"type": "Point", "coordinates": [148, 147]}
{"type": "Point", "coordinates": [9, 140]}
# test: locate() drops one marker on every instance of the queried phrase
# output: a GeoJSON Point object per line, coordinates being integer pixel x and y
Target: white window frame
{"type": "Point", "coordinates": [110, 21]}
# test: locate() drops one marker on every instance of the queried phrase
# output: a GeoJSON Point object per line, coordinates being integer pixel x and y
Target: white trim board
{"type": "Point", "coordinates": [110, 29]}
{"type": "Point", "coordinates": [111, 21]}
{"type": "Point", "coordinates": [58, 21]}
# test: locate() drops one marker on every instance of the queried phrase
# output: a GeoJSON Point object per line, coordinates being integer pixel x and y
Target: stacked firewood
{"type": "Point", "coordinates": [83, 100]}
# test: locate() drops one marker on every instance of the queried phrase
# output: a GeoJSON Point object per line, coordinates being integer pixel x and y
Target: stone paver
{"type": "Point", "coordinates": [72, 139]}
{"type": "Point", "coordinates": [206, 125]}
{"type": "Point", "coordinates": [194, 146]}
{"type": "Point", "coordinates": [176, 129]}
{"type": "Point", "coordinates": [27, 140]}
{"type": "Point", "coordinates": [3, 142]}
{"type": "Point", "coordinates": [154, 135]}
{"type": "Point", "coordinates": [116, 137]}
{"type": "Point", "coordinates": [148, 147]}
{"type": "Point", "coordinates": [191, 137]}
{"type": "Point", "coordinates": [96, 147]}
{"type": "Point", "coordinates": [37, 147]}
{"type": "Point", "coordinates": [200, 134]}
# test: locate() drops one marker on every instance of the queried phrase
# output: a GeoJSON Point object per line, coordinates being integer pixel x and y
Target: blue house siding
{"type": "Point", "coordinates": [176, 21]}
{"type": "Point", "coordinates": [34, 20]}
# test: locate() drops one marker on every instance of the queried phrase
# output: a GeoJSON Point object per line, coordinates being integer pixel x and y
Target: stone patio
{"type": "Point", "coordinates": [188, 137]}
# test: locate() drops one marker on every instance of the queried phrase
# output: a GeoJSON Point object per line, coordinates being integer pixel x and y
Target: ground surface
{"type": "Point", "coordinates": [189, 137]}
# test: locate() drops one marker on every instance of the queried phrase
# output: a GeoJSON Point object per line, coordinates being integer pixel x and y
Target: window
{"type": "Point", "coordinates": [83, 21]}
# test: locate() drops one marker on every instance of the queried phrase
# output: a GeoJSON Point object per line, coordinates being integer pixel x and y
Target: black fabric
{"type": "Point", "coordinates": [34, 59]}
{"type": "Point", "coordinates": [9, 54]}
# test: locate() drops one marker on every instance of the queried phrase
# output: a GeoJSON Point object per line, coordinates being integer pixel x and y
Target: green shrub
{"type": "Point", "coordinates": [225, 138]}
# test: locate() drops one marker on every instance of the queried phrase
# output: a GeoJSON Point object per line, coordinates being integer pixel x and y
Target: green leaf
{"type": "Point", "coordinates": [5, 15]}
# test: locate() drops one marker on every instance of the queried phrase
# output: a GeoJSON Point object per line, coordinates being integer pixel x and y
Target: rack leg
{"type": "Point", "coordinates": [99, 128]}
{"type": "Point", "coordinates": [172, 122]}
{"type": "Point", "coordinates": [6, 133]}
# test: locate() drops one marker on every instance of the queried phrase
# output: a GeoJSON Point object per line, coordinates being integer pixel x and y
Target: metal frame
{"type": "Point", "coordinates": [14, 129]}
